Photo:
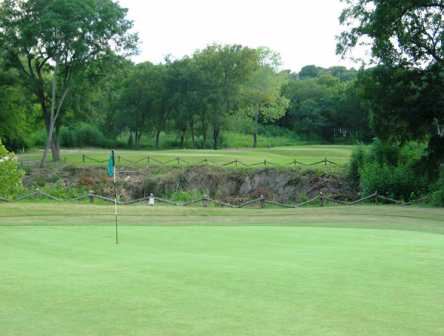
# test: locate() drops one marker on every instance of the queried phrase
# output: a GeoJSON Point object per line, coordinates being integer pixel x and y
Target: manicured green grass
{"type": "Point", "coordinates": [361, 270]}
{"type": "Point", "coordinates": [277, 155]}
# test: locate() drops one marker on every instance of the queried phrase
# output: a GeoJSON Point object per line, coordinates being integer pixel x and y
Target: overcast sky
{"type": "Point", "coordinates": [302, 31]}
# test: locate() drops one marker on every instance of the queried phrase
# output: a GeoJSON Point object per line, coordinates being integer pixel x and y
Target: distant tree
{"type": "Point", "coordinates": [309, 71]}
{"type": "Point", "coordinates": [262, 92]}
{"type": "Point", "coordinates": [138, 98]}
{"type": "Point", "coordinates": [225, 68]}
{"type": "Point", "coordinates": [15, 103]}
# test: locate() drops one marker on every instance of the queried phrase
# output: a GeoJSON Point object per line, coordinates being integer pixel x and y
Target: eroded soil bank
{"type": "Point", "coordinates": [226, 184]}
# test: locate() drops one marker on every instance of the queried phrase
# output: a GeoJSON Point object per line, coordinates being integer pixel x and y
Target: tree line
{"type": "Point", "coordinates": [66, 61]}
{"type": "Point", "coordinates": [59, 69]}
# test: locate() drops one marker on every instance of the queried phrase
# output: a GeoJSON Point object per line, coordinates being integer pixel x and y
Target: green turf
{"type": "Point", "coordinates": [361, 270]}
{"type": "Point", "coordinates": [339, 154]}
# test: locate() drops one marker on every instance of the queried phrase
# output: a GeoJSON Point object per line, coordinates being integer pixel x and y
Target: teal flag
{"type": "Point", "coordinates": [111, 164]}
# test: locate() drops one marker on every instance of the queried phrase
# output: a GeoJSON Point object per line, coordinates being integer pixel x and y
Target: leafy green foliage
{"type": "Point", "coordinates": [398, 182]}
{"type": "Point", "coordinates": [405, 90]}
{"type": "Point", "coordinates": [388, 169]}
{"type": "Point", "coordinates": [439, 188]}
{"type": "Point", "coordinates": [262, 93]}
{"type": "Point", "coordinates": [399, 32]}
{"type": "Point", "coordinates": [10, 175]}
{"type": "Point", "coordinates": [57, 45]}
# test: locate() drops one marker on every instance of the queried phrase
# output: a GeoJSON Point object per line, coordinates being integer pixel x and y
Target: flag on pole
{"type": "Point", "coordinates": [112, 172]}
{"type": "Point", "coordinates": [111, 164]}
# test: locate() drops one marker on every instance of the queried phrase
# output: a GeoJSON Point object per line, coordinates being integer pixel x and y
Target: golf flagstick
{"type": "Point", "coordinates": [115, 201]}
{"type": "Point", "coordinates": [112, 172]}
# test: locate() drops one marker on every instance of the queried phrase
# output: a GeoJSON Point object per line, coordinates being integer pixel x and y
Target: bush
{"type": "Point", "coordinates": [79, 135]}
{"type": "Point", "coordinates": [388, 169]}
{"type": "Point", "coordinates": [273, 131]}
{"type": "Point", "coordinates": [10, 175]}
{"type": "Point", "coordinates": [400, 183]}
{"type": "Point", "coordinates": [38, 139]}
{"type": "Point", "coordinates": [359, 156]}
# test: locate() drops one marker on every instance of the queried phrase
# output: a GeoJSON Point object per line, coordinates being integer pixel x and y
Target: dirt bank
{"type": "Point", "coordinates": [226, 184]}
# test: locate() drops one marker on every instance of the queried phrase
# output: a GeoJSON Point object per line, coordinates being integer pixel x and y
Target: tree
{"type": "Point", "coordinates": [309, 109]}
{"type": "Point", "coordinates": [263, 91]}
{"type": "Point", "coordinates": [405, 39]}
{"type": "Point", "coordinates": [14, 103]}
{"type": "Point", "coordinates": [184, 85]}
{"type": "Point", "coordinates": [225, 68]}
{"type": "Point", "coordinates": [135, 101]}
{"type": "Point", "coordinates": [309, 71]}
{"type": "Point", "coordinates": [10, 175]}
{"type": "Point", "coordinates": [399, 32]}
{"type": "Point", "coordinates": [55, 43]}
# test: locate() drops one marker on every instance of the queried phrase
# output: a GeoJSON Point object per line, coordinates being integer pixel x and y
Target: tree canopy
{"type": "Point", "coordinates": [64, 38]}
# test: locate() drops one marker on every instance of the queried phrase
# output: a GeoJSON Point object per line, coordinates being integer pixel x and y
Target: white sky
{"type": "Point", "coordinates": [302, 31]}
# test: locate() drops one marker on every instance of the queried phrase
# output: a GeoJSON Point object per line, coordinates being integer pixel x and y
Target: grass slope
{"type": "Point", "coordinates": [191, 271]}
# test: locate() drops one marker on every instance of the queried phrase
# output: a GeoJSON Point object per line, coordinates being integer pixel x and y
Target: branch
{"type": "Point", "coordinates": [61, 102]}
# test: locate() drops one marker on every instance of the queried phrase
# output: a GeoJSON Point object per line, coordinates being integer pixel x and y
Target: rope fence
{"type": "Point", "coordinates": [178, 160]}
{"type": "Point", "coordinates": [205, 200]}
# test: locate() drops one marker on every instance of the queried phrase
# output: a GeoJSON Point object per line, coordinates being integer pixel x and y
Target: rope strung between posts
{"type": "Point", "coordinates": [206, 199]}
{"type": "Point", "coordinates": [150, 160]}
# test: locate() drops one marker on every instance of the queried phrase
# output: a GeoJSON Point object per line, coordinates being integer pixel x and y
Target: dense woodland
{"type": "Point", "coordinates": [66, 75]}
{"type": "Point", "coordinates": [197, 98]}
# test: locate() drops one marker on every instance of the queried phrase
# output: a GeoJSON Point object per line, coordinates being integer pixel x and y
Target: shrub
{"type": "Point", "coordinates": [398, 182]}
{"type": "Point", "coordinates": [359, 156]}
{"type": "Point", "coordinates": [388, 169]}
{"type": "Point", "coordinates": [10, 175]}
{"type": "Point", "coordinates": [38, 139]}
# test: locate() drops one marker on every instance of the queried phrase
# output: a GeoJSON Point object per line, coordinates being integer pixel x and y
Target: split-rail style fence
{"type": "Point", "coordinates": [261, 201]}
{"type": "Point", "coordinates": [178, 161]}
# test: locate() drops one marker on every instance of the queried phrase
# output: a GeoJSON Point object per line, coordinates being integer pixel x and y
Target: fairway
{"type": "Point", "coordinates": [336, 271]}
{"type": "Point", "coordinates": [307, 154]}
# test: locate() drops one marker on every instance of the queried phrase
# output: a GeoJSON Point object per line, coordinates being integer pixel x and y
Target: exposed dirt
{"type": "Point", "coordinates": [226, 184]}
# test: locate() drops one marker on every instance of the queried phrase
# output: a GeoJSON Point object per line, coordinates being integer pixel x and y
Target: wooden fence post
{"type": "Point", "coordinates": [206, 161]}
{"type": "Point", "coordinates": [91, 196]}
{"type": "Point", "coordinates": [178, 161]}
{"type": "Point", "coordinates": [149, 162]}
{"type": "Point", "coordinates": [265, 162]}
{"type": "Point", "coordinates": [37, 192]}
{"type": "Point", "coordinates": [151, 200]}
{"type": "Point", "coordinates": [118, 157]}
{"type": "Point", "coordinates": [325, 161]}
{"type": "Point", "coordinates": [376, 198]}
{"type": "Point", "coordinates": [205, 202]}
{"type": "Point", "coordinates": [83, 157]}
{"type": "Point", "coordinates": [321, 199]}
{"type": "Point", "coordinates": [262, 201]}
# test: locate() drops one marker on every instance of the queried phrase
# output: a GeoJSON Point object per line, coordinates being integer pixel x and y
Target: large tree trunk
{"type": "Point", "coordinates": [55, 146]}
{"type": "Point", "coordinates": [53, 118]}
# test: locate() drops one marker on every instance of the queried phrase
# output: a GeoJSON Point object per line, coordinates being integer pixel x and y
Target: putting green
{"type": "Point", "coordinates": [332, 271]}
